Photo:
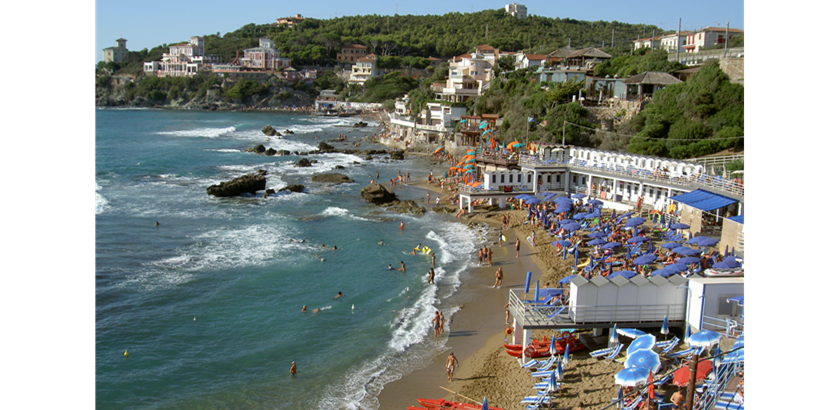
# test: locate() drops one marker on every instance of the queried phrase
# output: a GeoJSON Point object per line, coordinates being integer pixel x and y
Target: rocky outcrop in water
{"type": "Point", "coordinates": [250, 183]}
{"type": "Point", "coordinates": [399, 154]}
{"type": "Point", "coordinates": [293, 188]}
{"type": "Point", "coordinates": [406, 207]}
{"type": "Point", "coordinates": [270, 131]}
{"type": "Point", "coordinates": [332, 178]}
{"type": "Point", "coordinates": [303, 163]}
{"type": "Point", "coordinates": [378, 194]}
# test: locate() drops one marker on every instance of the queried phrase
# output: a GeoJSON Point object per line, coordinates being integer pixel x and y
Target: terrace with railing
{"type": "Point", "coordinates": [690, 182]}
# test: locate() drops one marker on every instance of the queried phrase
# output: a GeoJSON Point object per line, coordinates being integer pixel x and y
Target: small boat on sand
{"type": "Point", "coordinates": [443, 404]}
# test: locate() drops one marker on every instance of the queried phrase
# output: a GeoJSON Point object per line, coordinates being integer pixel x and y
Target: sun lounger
{"type": "Point", "coordinates": [688, 352]}
{"type": "Point", "coordinates": [610, 357]}
{"type": "Point", "coordinates": [556, 312]}
{"type": "Point", "coordinates": [726, 401]}
{"type": "Point", "coordinates": [663, 380]}
{"type": "Point", "coordinates": [530, 364]}
{"type": "Point", "coordinates": [549, 363]}
{"type": "Point", "coordinates": [631, 405]}
{"type": "Point", "coordinates": [600, 352]}
{"type": "Point", "coordinates": [537, 400]}
{"type": "Point", "coordinates": [668, 345]}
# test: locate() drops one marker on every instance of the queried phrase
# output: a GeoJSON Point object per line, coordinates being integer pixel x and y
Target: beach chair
{"type": "Point", "coordinates": [663, 380]}
{"type": "Point", "coordinates": [530, 364]}
{"type": "Point", "coordinates": [556, 312]}
{"type": "Point", "coordinates": [536, 401]}
{"type": "Point", "coordinates": [681, 353]}
{"type": "Point", "coordinates": [632, 404]}
{"type": "Point", "coordinates": [610, 357]}
{"type": "Point", "coordinates": [600, 352]}
{"type": "Point", "coordinates": [668, 345]}
{"type": "Point", "coordinates": [726, 401]}
{"type": "Point", "coordinates": [550, 363]}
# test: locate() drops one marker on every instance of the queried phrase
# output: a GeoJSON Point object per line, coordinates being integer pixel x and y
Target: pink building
{"type": "Point", "coordinates": [264, 57]}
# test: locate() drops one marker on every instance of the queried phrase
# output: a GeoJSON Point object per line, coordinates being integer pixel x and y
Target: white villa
{"type": "Point", "coordinates": [182, 60]}
{"type": "Point", "coordinates": [364, 69]}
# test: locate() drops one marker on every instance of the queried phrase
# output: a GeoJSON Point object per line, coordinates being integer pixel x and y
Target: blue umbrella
{"type": "Point", "coordinates": [522, 196]}
{"type": "Point", "coordinates": [631, 333]}
{"type": "Point", "coordinates": [566, 358]}
{"type": "Point", "coordinates": [671, 245]}
{"type": "Point", "coordinates": [597, 234]}
{"type": "Point", "coordinates": [695, 240]}
{"type": "Point", "coordinates": [725, 265]}
{"type": "Point", "coordinates": [626, 273]}
{"type": "Point", "coordinates": [708, 242]}
{"type": "Point", "coordinates": [484, 405]}
{"type": "Point", "coordinates": [567, 221]}
{"type": "Point", "coordinates": [596, 242]}
{"type": "Point", "coordinates": [664, 329]}
{"type": "Point", "coordinates": [643, 342]}
{"type": "Point", "coordinates": [645, 359]}
{"type": "Point", "coordinates": [548, 196]}
{"type": "Point", "coordinates": [664, 272]}
{"type": "Point", "coordinates": [581, 216]}
{"type": "Point", "coordinates": [676, 267]}
{"type": "Point", "coordinates": [537, 292]}
{"type": "Point", "coordinates": [595, 201]}
{"type": "Point", "coordinates": [704, 338]}
{"type": "Point", "coordinates": [677, 225]}
{"type": "Point", "coordinates": [637, 239]}
{"type": "Point", "coordinates": [561, 209]}
{"type": "Point", "coordinates": [688, 260]}
{"type": "Point", "coordinates": [631, 377]}
{"type": "Point", "coordinates": [572, 226]}
{"type": "Point", "coordinates": [559, 373]}
{"type": "Point", "coordinates": [532, 201]}
{"type": "Point", "coordinates": [564, 243]}
{"type": "Point", "coordinates": [552, 382]}
{"type": "Point", "coordinates": [624, 216]}
{"type": "Point", "coordinates": [552, 349]}
{"type": "Point", "coordinates": [645, 259]}
{"type": "Point", "coordinates": [578, 196]}
{"type": "Point", "coordinates": [686, 251]}
{"type": "Point", "coordinates": [614, 335]}
{"type": "Point", "coordinates": [635, 221]}
{"type": "Point", "coordinates": [610, 245]}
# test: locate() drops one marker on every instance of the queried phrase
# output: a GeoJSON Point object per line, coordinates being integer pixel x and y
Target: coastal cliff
{"type": "Point", "coordinates": [206, 92]}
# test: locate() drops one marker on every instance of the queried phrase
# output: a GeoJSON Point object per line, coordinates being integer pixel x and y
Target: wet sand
{"type": "Point", "coordinates": [477, 331]}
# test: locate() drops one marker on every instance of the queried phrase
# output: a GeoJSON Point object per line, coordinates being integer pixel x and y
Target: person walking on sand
{"type": "Point", "coordinates": [499, 276]}
{"type": "Point", "coordinates": [451, 363]}
{"type": "Point", "coordinates": [517, 247]}
{"type": "Point", "coordinates": [293, 370]}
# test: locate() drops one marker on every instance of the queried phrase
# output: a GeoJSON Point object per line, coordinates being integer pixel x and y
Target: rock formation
{"type": "Point", "coordinates": [270, 131]}
{"type": "Point", "coordinates": [332, 178]}
{"type": "Point", "coordinates": [378, 194]}
{"type": "Point", "coordinates": [250, 183]}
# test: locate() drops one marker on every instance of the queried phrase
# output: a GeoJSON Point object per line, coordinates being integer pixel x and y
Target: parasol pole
{"type": "Point", "coordinates": [692, 379]}
{"type": "Point", "coordinates": [475, 401]}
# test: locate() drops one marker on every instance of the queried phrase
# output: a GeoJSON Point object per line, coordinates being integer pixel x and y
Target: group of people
{"type": "Point", "coordinates": [485, 255]}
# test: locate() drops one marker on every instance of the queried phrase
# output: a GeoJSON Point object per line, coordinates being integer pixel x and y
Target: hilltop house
{"type": "Point", "coordinates": [709, 37]}
{"type": "Point", "coordinates": [182, 60]}
{"type": "Point", "coordinates": [289, 22]}
{"type": "Point", "coordinates": [116, 54]}
{"type": "Point", "coordinates": [586, 58]}
{"type": "Point", "coordinates": [469, 74]}
{"type": "Point", "coordinates": [525, 60]}
{"type": "Point", "coordinates": [671, 42]}
{"type": "Point", "coordinates": [516, 10]}
{"type": "Point", "coordinates": [264, 57]}
{"type": "Point", "coordinates": [364, 69]}
{"type": "Point", "coordinates": [351, 53]}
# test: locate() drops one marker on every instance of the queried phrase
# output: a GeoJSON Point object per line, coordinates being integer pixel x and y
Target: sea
{"type": "Point", "coordinates": [204, 310]}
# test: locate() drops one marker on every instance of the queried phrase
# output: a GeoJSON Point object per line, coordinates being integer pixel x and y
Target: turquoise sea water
{"type": "Point", "coordinates": [208, 303]}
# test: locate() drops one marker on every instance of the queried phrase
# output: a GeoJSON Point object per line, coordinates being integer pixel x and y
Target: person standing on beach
{"type": "Point", "coordinates": [507, 313]}
{"type": "Point", "coordinates": [451, 363]}
{"type": "Point", "coordinates": [480, 256]}
{"type": "Point", "coordinates": [517, 247]}
{"type": "Point", "coordinates": [441, 321]}
{"type": "Point", "coordinates": [435, 322]}
{"type": "Point", "coordinates": [377, 175]}
{"type": "Point", "coordinates": [489, 255]}
{"type": "Point", "coordinates": [293, 370]}
{"type": "Point", "coordinates": [433, 259]}
{"type": "Point", "coordinates": [499, 276]}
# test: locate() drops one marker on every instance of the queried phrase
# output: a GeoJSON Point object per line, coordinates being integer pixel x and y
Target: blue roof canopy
{"type": "Point", "coordinates": [739, 219]}
{"type": "Point", "coordinates": [703, 200]}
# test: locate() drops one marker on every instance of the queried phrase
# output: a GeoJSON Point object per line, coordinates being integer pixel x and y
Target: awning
{"type": "Point", "coordinates": [739, 219]}
{"type": "Point", "coordinates": [703, 200]}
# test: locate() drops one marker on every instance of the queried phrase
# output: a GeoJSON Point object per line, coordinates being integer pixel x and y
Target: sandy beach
{"type": "Point", "coordinates": [477, 332]}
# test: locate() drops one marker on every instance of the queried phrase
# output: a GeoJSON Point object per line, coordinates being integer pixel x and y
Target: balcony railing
{"type": "Point", "coordinates": [690, 181]}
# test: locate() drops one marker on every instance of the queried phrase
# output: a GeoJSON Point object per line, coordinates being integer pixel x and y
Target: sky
{"type": "Point", "coordinates": [154, 22]}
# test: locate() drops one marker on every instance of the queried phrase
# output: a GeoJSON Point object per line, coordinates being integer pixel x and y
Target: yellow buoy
{"type": "Point", "coordinates": [126, 353]}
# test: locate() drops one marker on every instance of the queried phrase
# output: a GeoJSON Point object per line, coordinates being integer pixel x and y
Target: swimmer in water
{"type": "Point", "coordinates": [304, 308]}
{"type": "Point", "coordinates": [338, 295]}
{"type": "Point", "coordinates": [390, 267]}
{"type": "Point", "coordinates": [157, 223]}
{"type": "Point", "coordinates": [381, 241]}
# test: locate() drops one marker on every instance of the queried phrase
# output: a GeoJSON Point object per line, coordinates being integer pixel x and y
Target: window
{"type": "Point", "coordinates": [493, 179]}
{"type": "Point", "coordinates": [519, 178]}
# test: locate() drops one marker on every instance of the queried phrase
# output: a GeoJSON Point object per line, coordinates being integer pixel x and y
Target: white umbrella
{"type": "Point", "coordinates": [631, 333]}
{"type": "Point", "coordinates": [631, 376]}
{"type": "Point", "coordinates": [552, 349]}
{"type": "Point", "coordinates": [704, 338]}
